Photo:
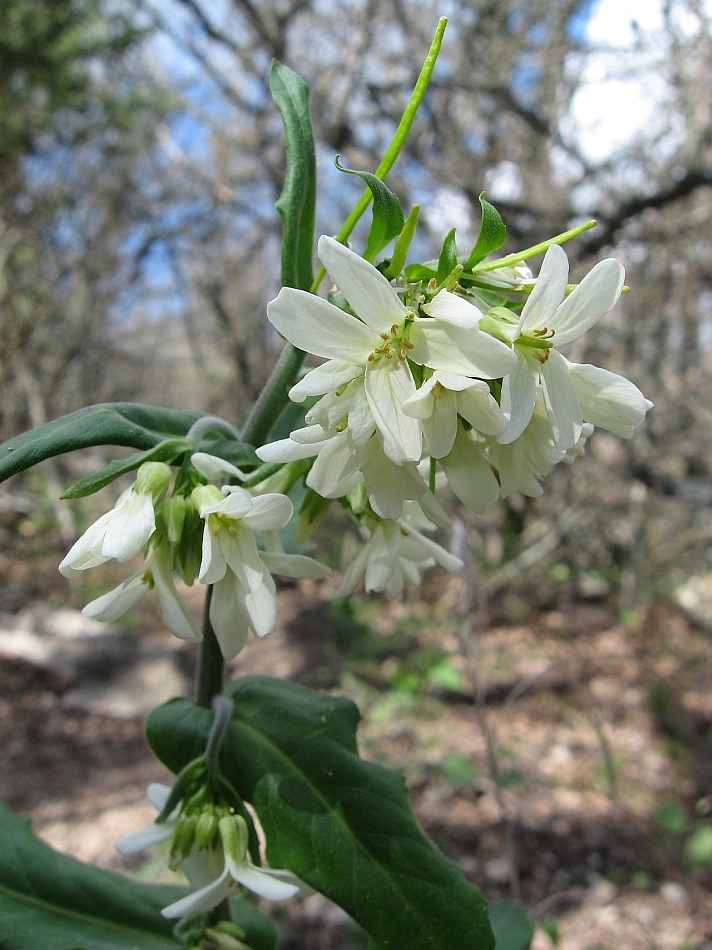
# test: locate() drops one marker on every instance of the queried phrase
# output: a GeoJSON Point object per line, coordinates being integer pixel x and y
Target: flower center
{"type": "Point", "coordinates": [538, 344]}
{"type": "Point", "coordinates": [395, 342]}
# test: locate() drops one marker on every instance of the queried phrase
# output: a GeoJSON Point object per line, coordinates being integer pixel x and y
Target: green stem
{"type": "Point", "coordinates": [397, 143]}
{"type": "Point", "coordinates": [274, 396]}
{"type": "Point", "coordinates": [211, 666]}
{"type": "Point", "coordinates": [536, 249]}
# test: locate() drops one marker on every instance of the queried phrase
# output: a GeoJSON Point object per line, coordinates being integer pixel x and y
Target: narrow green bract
{"type": "Point", "coordinates": [492, 236]}
{"type": "Point", "coordinates": [388, 220]}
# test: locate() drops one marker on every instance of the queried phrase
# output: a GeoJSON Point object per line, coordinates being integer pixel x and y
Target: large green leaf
{"type": "Point", "coordinates": [118, 423]}
{"type": "Point", "coordinates": [166, 451]}
{"type": "Point", "coordinates": [388, 220]}
{"type": "Point", "coordinates": [51, 902]}
{"type": "Point", "coordinates": [513, 930]}
{"type": "Point", "coordinates": [297, 203]}
{"type": "Point", "coordinates": [343, 825]}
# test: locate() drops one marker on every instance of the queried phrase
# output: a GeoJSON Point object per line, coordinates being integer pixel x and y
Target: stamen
{"type": "Point", "coordinates": [408, 345]}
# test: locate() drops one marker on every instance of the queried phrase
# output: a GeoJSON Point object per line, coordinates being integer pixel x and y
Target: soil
{"type": "Point", "coordinates": [595, 728]}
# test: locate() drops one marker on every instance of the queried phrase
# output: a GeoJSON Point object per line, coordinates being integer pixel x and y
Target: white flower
{"type": "Point", "coordinates": [156, 571]}
{"type": "Point", "coordinates": [394, 553]}
{"type": "Point", "coordinates": [124, 531]}
{"type": "Point", "coordinates": [523, 463]}
{"type": "Point", "coordinates": [548, 318]}
{"type": "Point", "coordinates": [215, 870]}
{"type": "Point", "coordinates": [372, 348]}
{"type": "Point", "coordinates": [244, 594]}
{"type": "Point", "coordinates": [444, 396]}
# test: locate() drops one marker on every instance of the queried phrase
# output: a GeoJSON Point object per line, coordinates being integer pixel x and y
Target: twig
{"type": "Point", "coordinates": [608, 763]}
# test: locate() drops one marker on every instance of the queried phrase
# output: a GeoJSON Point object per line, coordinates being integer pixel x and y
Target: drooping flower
{"type": "Point", "coordinates": [522, 464]}
{"type": "Point", "coordinates": [244, 594]}
{"type": "Point", "coordinates": [444, 396]}
{"type": "Point", "coordinates": [549, 318]}
{"type": "Point", "coordinates": [157, 571]}
{"type": "Point", "coordinates": [214, 870]}
{"type": "Point", "coordinates": [124, 531]}
{"type": "Point", "coordinates": [396, 552]}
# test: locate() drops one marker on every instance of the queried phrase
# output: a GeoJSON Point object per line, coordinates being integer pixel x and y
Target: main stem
{"type": "Point", "coordinates": [211, 666]}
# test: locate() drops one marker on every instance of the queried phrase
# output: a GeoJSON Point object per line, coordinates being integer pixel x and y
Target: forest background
{"type": "Point", "coordinates": [140, 159]}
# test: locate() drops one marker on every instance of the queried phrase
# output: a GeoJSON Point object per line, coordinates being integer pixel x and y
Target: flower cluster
{"type": "Point", "coordinates": [416, 373]}
{"type": "Point", "coordinates": [167, 530]}
{"type": "Point", "coordinates": [210, 845]}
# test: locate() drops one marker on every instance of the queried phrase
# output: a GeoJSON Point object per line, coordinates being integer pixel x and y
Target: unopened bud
{"type": "Point", "coordinates": [206, 829]}
{"type": "Point", "coordinates": [233, 833]}
{"type": "Point", "coordinates": [205, 496]}
{"type": "Point", "coordinates": [183, 838]}
{"type": "Point", "coordinates": [173, 515]}
{"type": "Point", "coordinates": [153, 478]}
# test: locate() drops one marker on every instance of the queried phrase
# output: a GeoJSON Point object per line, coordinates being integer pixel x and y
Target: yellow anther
{"type": "Point", "coordinates": [384, 336]}
{"type": "Point", "coordinates": [408, 345]}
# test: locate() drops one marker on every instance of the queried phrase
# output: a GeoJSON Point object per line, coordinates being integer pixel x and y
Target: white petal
{"type": "Point", "coordinates": [470, 476]}
{"type": "Point", "coordinates": [562, 404]}
{"type": "Point", "coordinates": [264, 882]}
{"type": "Point", "coordinates": [548, 291]}
{"type": "Point", "coordinates": [309, 435]}
{"type": "Point", "coordinates": [592, 299]}
{"type": "Point", "coordinates": [86, 551]}
{"type": "Point", "coordinates": [287, 450]}
{"type": "Point", "coordinates": [130, 528]}
{"type": "Point", "coordinates": [449, 308]}
{"type": "Point", "coordinates": [235, 505]}
{"type": "Point", "coordinates": [335, 462]}
{"type": "Point", "coordinates": [368, 292]}
{"type": "Point", "coordinates": [204, 899]}
{"type": "Point", "coordinates": [158, 795]}
{"type": "Point", "coordinates": [110, 607]}
{"type": "Point", "coordinates": [479, 407]}
{"type": "Point", "coordinates": [421, 404]}
{"type": "Point", "coordinates": [212, 467]}
{"type": "Point", "coordinates": [213, 564]}
{"type": "Point", "coordinates": [362, 425]}
{"type": "Point", "coordinates": [175, 613]}
{"type": "Point", "coordinates": [388, 384]}
{"type": "Point", "coordinates": [441, 428]}
{"type": "Point", "coordinates": [145, 838]}
{"type": "Point", "coordinates": [240, 551]}
{"type": "Point", "coordinates": [384, 548]}
{"type": "Point", "coordinates": [432, 507]}
{"type": "Point", "coordinates": [518, 398]}
{"type": "Point", "coordinates": [298, 566]}
{"type": "Point", "coordinates": [324, 379]}
{"type": "Point", "coordinates": [317, 326]}
{"type": "Point", "coordinates": [261, 606]}
{"type": "Point", "coordinates": [607, 400]}
{"type": "Point", "coordinates": [443, 557]}
{"type": "Point", "coordinates": [389, 485]}
{"type": "Point", "coordinates": [228, 615]}
{"type": "Point", "coordinates": [454, 350]}
{"type": "Point", "coordinates": [269, 512]}
{"type": "Point", "coordinates": [354, 573]}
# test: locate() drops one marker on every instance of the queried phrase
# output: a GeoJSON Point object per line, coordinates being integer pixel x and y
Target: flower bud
{"type": "Point", "coordinates": [233, 832]}
{"type": "Point", "coordinates": [153, 479]}
{"type": "Point", "coordinates": [206, 829]}
{"type": "Point", "coordinates": [173, 515]}
{"type": "Point", "coordinates": [183, 838]}
{"type": "Point", "coordinates": [205, 496]}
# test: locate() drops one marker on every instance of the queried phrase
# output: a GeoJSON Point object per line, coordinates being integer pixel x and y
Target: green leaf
{"type": "Point", "coordinates": [297, 203]}
{"type": "Point", "coordinates": [448, 257]}
{"type": "Point", "coordinates": [512, 928]}
{"type": "Point", "coordinates": [260, 932]}
{"type": "Point", "coordinates": [118, 423]}
{"type": "Point", "coordinates": [388, 220]}
{"type": "Point", "coordinates": [341, 824]}
{"type": "Point", "coordinates": [492, 236]}
{"type": "Point", "coordinates": [415, 272]}
{"type": "Point", "coordinates": [166, 451]}
{"type": "Point", "coordinates": [53, 902]}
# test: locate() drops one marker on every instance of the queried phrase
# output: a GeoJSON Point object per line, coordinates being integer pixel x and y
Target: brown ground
{"type": "Point", "coordinates": [593, 724]}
